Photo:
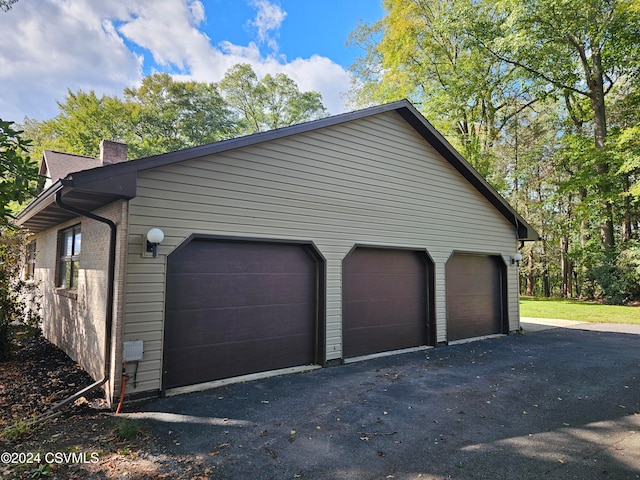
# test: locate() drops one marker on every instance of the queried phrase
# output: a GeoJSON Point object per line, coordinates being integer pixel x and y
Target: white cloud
{"type": "Point", "coordinates": [166, 28]}
{"type": "Point", "coordinates": [322, 75]}
{"type": "Point", "coordinates": [83, 44]}
{"type": "Point", "coordinates": [268, 20]}
{"type": "Point", "coordinates": [54, 45]}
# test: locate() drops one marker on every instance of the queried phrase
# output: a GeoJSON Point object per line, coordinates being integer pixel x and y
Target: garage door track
{"type": "Point", "coordinates": [560, 403]}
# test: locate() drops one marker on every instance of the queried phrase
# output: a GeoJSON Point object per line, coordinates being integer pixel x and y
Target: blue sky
{"type": "Point", "coordinates": [319, 27]}
{"type": "Point", "coordinates": [106, 46]}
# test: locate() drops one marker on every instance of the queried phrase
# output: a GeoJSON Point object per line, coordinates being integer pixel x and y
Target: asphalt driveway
{"type": "Point", "coordinates": [554, 403]}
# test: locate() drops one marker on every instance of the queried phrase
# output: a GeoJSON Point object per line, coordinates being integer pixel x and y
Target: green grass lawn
{"type": "Point", "coordinates": [565, 309]}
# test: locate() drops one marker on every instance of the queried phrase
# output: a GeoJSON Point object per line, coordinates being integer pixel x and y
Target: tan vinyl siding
{"type": "Point", "coordinates": [374, 181]}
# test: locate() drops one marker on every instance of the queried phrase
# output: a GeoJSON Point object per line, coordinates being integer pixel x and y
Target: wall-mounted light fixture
{"type": "Point", "coordinates": [154, 237]}
{"type": "Point", "coordinates": [515, 260]}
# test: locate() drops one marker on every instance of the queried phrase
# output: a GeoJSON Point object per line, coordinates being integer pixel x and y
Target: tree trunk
{"type": "Point", "coordinates": [531, 278]}
{"type": "Point", "coordinates": [584, 239]}
{"type": "Point", "coordinates": [627, 229]}
{"type": "Point", "coordinates": [565, 267]}
{"type": "Point", "coordinates": [595, 82]}
{"type": "Point", "coordinates": [546, 283]}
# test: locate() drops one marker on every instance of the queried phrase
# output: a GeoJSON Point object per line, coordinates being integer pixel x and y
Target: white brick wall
{"type": "Point", "coordinates": [75, 321]}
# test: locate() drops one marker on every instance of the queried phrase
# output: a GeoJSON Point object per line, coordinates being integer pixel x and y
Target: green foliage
{"type": "Point", "coordinates": [18, 174]}
{"type": "Point", "coordinates": [423, 51]}
{"type": "Point", "coordinates": [20, 430]}
{"type": "Point", "coordinates": [127, 429]}
{"type": "Point", "coordinates": [19, 298]}
{"type": "Point", "coordinates": [617, 273]}
{"type": "Point", "coordinates": [270, 103]}
{"type": "Point", "coordinates": [82, 122]}
{"type": "Point", "coordinates": [164, 115]}
{"type": "Point", "coordinates": [42, 470]}
{"type": "Point", "coordinates": [628, 151]}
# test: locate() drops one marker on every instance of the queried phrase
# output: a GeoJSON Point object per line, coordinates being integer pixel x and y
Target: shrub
{"type": "Point", "coordinates": [127, 429]}
{"type": "Point", "coordinates": [617, 273]}
{"type": "Point", "coordinates": [19, 297]}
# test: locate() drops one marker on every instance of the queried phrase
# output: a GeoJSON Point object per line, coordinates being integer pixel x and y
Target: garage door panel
{"type": "Point", "coordinates": [384, 301]}
{"type": "Point", "coordinates": [233, 324]}
{"type": "Point", "coordinates": [386, 261]}
{"type": "Point", "coordinates": [475, 283]}
{"type": "Point", "coordinates": [266, 258]}
{"type": "Point", "coordinates": [372, 287]}
{"type": "Point", "coordinates": [365, 341]}
{"type": "Point", "coordinates": [475, 305]}
{"type": "Point", "coordinates": [470, 328]}
{"type": "Point", "coordinates": [211, 290]}
{"type": "Point", "coordinates": [263, 356]}
{"type": "Point", "coordinates": [474, 296]}
{"type": "Point", "coordinates": [235, 308]}
{"type": "Point", "coordinates": [382, 312]}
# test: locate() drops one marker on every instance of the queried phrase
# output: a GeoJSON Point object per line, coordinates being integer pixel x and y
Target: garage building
{"type": "Point", "coordinates": [320, 243]}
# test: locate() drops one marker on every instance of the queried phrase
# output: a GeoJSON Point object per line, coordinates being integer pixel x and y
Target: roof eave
{"type": "Point", "coordinates": [88, 195]}
{"type": "Point", "coordinates": [38, 204]}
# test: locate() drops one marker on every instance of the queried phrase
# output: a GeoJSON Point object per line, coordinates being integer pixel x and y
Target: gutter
{"type": "Point", "coordinates": [110, 294]}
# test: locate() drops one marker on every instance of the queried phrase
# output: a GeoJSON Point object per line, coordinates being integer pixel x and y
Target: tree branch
{"type": "Point", "coordinates": [530, 70]}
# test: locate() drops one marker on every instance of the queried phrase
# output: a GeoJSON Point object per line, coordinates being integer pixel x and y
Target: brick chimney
{"type": "Point", "coordinates": [113, 152]}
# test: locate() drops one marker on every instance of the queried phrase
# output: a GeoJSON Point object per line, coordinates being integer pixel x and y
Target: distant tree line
{"type": "Point", "coordinates": [163, 114]}
{"type": "Point", "coordinates": [542, 97]}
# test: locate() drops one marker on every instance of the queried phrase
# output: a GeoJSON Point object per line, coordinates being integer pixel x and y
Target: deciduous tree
{"type": "Point", "coordinates": [268, 103]}
{"type": "Point", "coordinates": [566, 46]}
{"type": "Point", "coordinates": [18, 173]}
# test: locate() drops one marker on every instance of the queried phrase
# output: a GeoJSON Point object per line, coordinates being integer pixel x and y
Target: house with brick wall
{"type": "Point", "coordinates": [308, 246]}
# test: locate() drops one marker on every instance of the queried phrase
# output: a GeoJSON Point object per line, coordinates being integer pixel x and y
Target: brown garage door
{"type": "Point", "coordinates": [474, 296]}
{"type": "Point", "coordinates": [234, 308]}
{"type": "Point", "coordinates": [384, 300]}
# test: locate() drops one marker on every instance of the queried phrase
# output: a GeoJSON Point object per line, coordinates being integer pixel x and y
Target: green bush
{"type": "Point", "coordinates": [19, 297]}
{"type": "Point", "coordinates": [127, 429]}
{"type": "Point", "coordinates": [617, 273]}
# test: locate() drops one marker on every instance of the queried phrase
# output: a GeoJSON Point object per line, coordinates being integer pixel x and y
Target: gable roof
{"type": "Point", "coordinates": [92, 188]}
{"type": "Point", "coordinates": [57, 165]}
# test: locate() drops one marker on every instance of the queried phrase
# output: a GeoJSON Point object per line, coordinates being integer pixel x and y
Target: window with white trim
{"type": "Point", "coordinates": [69, 257]}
